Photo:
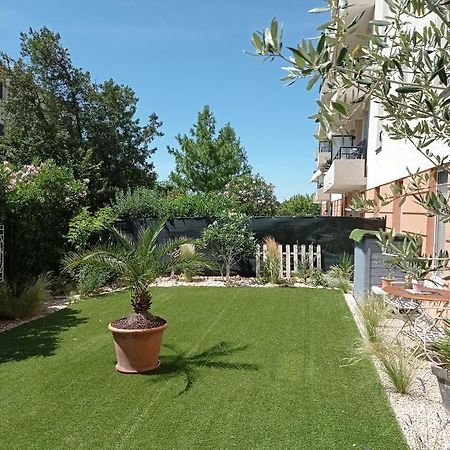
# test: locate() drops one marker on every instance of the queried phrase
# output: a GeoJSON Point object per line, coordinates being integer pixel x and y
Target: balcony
{"type": "Point", "coordinates": [347, 172]}
{"type": "Point", "coordinates": [323, 153]}
{"type": "Point", "coordinates": [320, 196]}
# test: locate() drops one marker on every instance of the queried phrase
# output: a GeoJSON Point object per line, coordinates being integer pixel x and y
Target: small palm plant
{"type": "Point", "coordinates": [138, 262]}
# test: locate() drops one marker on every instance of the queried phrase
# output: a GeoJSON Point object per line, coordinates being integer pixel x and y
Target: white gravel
{"type": "Point", "coordinates": [420, 413]}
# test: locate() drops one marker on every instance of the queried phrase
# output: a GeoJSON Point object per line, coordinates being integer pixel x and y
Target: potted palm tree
{"type": "Point", "coordinates": [138, 262]}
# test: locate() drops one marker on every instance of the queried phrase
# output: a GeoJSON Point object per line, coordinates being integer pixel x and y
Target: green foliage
{"type": "Point", "coordinates": [211, 204]}
{"type": "Point", "coordinates": [400, 364]}
{"type": "Point", "coordinates": [317, 277]}
{"type": "Point", "coordinates": [136, 262]}
{"type": "Point", "coordinates": [442, 347]}
{"type": "Point", "coordinates": [374, 313]}
{"type": "Point", "coordinates": [299, 205]}
{"type": "Point", "coordinates": [40, 201]}
{"type": "Point", "coordinates": [206, 161]}
{"type": "Point", "coordinates": [344, 268]}
{"type": "Point", "coordinates": [252, 195]}
{"type": "Point", "coordinates": [139, 203]}
{"type": "Point", "coordinates": [54, 110]}
{"type": "Point", "coordinates": [18, 301]}
{"type": "Point", "coordinates": [271, 266]}
{"type": "Point", "coordinates": [407, 255]}
{"type": "Point", "coordinates": [90, 279]}
{"type": "Point", "coordinates": [145, 203]}
{"type": "Point", "coordinates": [338, 282]}
{"type": "Point", "coordinates": [230, 240]}
{"type": "Point", "coordinates": [85, 225]}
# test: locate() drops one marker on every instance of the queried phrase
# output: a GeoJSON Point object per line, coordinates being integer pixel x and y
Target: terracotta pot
{"type": "Point", "coordinates": [385, 282]}
{"type": "Point", "coordinates": [137, 351]}
{"type": "Point", "coordinates": [443, 377]}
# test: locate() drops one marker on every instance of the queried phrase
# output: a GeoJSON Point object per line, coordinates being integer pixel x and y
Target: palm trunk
{"type": "Point", "coordinates": [141, 300]}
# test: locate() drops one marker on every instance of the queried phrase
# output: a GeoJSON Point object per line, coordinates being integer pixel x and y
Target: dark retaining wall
{"type": "Point", "coordinates": [331, 232]}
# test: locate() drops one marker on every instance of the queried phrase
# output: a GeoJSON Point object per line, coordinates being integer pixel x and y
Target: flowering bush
{"type": "Point", "coordinates": [230, 240]}
{"type": "Point", "coordinates": [40, 199]}
{"type": "Point", "coordinates": [252, 195]}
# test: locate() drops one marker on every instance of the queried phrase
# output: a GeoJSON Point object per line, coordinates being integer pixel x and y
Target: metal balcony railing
{"type": "Point", "coordinates": [353, 152]}
{"type": "Point", "coordinates": [324, 147]}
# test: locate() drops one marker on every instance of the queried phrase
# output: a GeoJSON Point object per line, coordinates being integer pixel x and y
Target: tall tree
{"type": "Point", "coordinates": [206, 161]}
{"type": "Point", "coordinates": [54, 110]}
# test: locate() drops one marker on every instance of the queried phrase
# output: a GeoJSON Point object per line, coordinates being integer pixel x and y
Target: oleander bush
{"type": "Point", "coordinates": [40, 200]}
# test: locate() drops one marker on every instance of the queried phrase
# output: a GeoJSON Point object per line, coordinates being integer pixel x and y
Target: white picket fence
{"type": "Point", "coordinates": [291, 256]}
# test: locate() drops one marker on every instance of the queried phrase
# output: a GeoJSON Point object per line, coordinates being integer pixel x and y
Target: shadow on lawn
{"type": "Point", "coordinates": [41, 337]}
{"type": "Point", "coordinates": [187, 365]}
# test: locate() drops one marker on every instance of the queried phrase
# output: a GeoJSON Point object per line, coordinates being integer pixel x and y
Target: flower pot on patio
{"type": "Point", "coordinates": [386, 281]}
{"type": "Point", "coordinates": [418, 285]}
{"type": "Point", "coordinates": [137, 351]}
{"type": "Point", "coordinates": [443, 377]}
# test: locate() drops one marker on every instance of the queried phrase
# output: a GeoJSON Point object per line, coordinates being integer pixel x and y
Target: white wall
{"type": "Point", "coordinates": [396, 156]}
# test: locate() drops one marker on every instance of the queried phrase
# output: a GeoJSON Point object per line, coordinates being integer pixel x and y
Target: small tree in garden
{"type": "Point", "coordinates": [252, 195]}
{"type": "Point", "coordinates": [230, 241]}
{"type": "Point", "coordinates": [299, 205]}
{"type": "Point", "coordinates": [207, 160]}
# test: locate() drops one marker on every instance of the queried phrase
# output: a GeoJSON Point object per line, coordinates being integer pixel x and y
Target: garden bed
{"type": "Point", "coordinates": [240, 368]}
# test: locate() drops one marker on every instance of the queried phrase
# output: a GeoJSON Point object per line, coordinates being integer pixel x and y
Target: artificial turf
{"type": "Point", "coordinates": [242, 368]}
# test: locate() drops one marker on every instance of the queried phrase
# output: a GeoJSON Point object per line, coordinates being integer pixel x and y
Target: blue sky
{"type": "Point", "coordinates": [179, 55]}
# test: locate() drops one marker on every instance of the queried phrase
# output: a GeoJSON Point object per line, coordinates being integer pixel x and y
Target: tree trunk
{"type": "Point", "coordinates": [141, 300]}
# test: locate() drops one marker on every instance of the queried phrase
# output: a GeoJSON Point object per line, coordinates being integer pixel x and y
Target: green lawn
{"type": "Point", "coordinates": [242, 368]}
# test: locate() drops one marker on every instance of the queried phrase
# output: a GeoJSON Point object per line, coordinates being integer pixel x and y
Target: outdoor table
{"type": "Point", "coordinates": [434, 312]}
{"type": "Point", "coordinates": [428, 295]}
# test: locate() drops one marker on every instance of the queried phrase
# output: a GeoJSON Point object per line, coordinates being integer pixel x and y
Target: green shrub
{"type": "Point", "coordinates": [86, 225]}
{"type": "Point", "coordinates": [139, 203]}
{"type": "Point", "coordinates": [252, 195]}
{"type": "Point", "coordinates": [40, 201]}
{"type": "Point", "coordinates": [317, 277]}
{"type": "Point", "coordinates": [90, 279]}
{"type": "Point", "coordinates": [230, 240]}
{"type": "Point", "coordinates": [373, 313]}
{"type": "Point", "coordinates": [338, 282]}
{"type": "Point", "coordinates": [399, 363]}
{"type": "Point", "coordinates": [299, 205]}
{"type": "Point", "coordinates": [212, 204]}
{"type": "Point", "coordinates": [18, 301]}
{"type": "Point", "coordinates": [344, 267]}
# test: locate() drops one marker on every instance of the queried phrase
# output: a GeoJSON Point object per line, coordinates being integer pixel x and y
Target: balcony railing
{"type": "Point", "coordinates": [353, 152]}
{"type": "Point", "coordinates": [324, 147]}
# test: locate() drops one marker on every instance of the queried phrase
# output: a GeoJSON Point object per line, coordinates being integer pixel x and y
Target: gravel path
{"type": "Point", "coordinates": [420, 413]}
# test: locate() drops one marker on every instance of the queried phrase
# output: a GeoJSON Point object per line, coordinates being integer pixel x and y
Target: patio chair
{"type": "Point", "coordinates": [404, 309]}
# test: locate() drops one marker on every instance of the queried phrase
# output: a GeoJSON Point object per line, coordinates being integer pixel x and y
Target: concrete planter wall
{"type": "Point", "coordinates": [443, 377]}
{"type": "Point", "coordinates": [370, 266]}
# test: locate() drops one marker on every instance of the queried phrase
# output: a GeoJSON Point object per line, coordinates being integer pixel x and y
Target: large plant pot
{"type": "Point", "coordinates": [443, 377]}
{"type": "Point", "coordinates": [385, 281]}
{"type": "Point", "coordinates": [137, 351]}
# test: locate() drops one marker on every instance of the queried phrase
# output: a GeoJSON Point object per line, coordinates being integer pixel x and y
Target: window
{"type": "Point", "coordinates": [439, 227]}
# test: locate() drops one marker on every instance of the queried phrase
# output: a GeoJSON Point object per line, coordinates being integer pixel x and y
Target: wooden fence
{"type": "Point", "coordinates": [292, 257]}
